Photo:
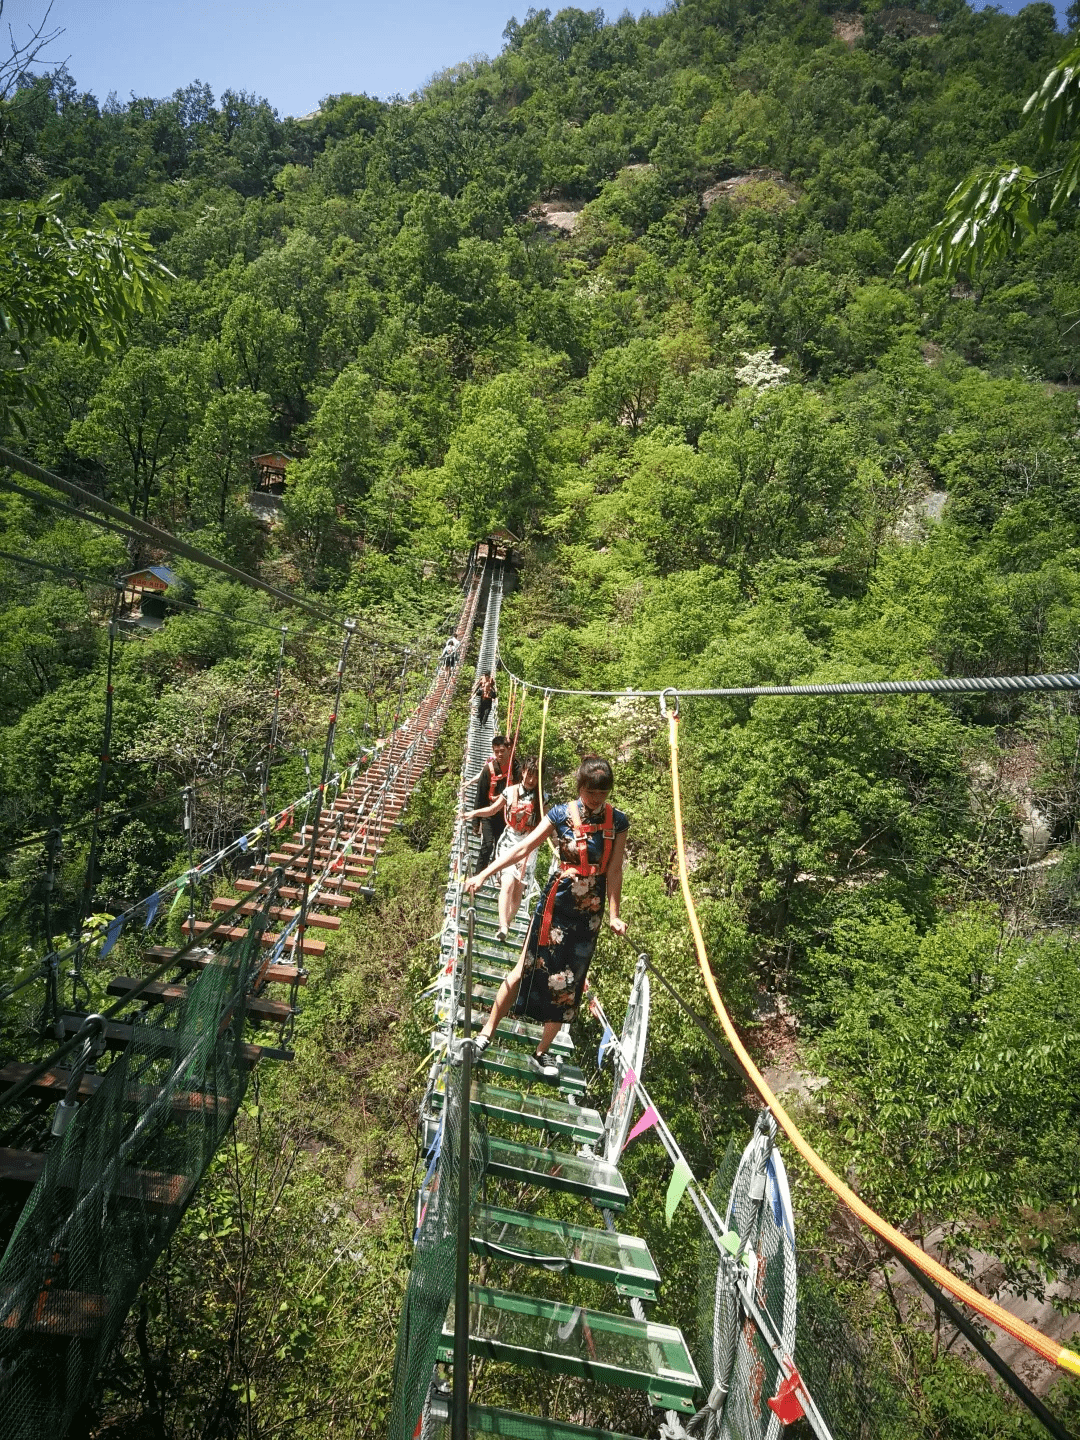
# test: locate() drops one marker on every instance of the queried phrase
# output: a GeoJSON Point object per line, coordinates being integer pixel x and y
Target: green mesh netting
{"type": "Point", "coordinates": [854, 1398]}
{"type": "Point", "coordinates": [113, 1191]}
{"type": "Point", "coordinates": [431, 1279]}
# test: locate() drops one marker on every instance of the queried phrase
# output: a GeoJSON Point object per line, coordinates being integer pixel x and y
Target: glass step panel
{"type": "Point", "coordinates": [585, 1175]}
{"type": "Point", "coordinates": [482, 995]}
{"type": "Point", "coordinates": [539, 1112]}
{"type": "Point", "coordinates": [561, 1045]}
{"type": "Point", "coordinates": [570, 1340]}
{"type": "Point", "coordinates": [516, 1032]}
{"type": "Point", "coordinates": [621, 1260]}
{"type": "Point", "coordinates": [515, 1064]}
{"type": "Point", "coordinates": [482, 972]}
{"type": "Point", "coordinates": [485, 1421]}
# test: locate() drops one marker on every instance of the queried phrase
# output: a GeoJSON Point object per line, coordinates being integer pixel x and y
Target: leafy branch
{"type": "Point", "coordinates": [56, 282]}
{"type": "Point", "coordinates": [995, 209]}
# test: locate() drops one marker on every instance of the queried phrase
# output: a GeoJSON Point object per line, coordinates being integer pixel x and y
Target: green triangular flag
{"type": "Point", "coordinates": [680, 1178]}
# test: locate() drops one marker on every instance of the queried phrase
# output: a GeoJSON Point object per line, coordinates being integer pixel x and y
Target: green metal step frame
{"type": "Point", "coordinates": [573, 1249]}
{"type": "Point", "coordinates": [565, 1339]}
{"type": "Point", "coordinates": [538, 1112]}
{"type": "Point", "coordinates": [487, 1420]}
{"type": "Point", "coordinates": [586, 1176]}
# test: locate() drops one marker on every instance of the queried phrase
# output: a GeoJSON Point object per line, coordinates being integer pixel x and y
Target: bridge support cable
{"type": "Point", "coordinates": [946, 685]}
{"type": "Point", "coordinates": [1048, 1349]}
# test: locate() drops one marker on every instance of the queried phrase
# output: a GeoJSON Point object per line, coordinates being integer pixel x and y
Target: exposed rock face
{"type": "Point", "coordinates": [902, 21]}
{"type": "Point", "coordinates": [987, 1275]}
{"type": "Point", "coordinates": [765, 188]}
{"type": "Point", "coordinates": [555, 215]}
{"type": "Point", "coordinates": [847, 26]}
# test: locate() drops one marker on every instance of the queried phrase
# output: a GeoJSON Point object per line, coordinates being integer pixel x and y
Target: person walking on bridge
{"type": "Point", "coordinates": [486, 694]}
{"type": "Point", "coordinates": [548, 980]}
{"type": "Point", "coordinates": [520, 806]}
{"type": "Point", "coordinates": [490, 783]}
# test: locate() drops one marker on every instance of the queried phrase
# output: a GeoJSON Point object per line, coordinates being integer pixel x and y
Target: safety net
{"type": "Point", "coordinates": [753, 1301]}
{"type": "Point", "coordinates": [431, 1280]}
{"type": "Point", "coordinates": [112, 1192]}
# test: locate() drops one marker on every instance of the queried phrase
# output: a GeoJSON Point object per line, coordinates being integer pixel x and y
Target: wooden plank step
{"type": "Point", "coordinates": [237, 932]}
{"type": "Point", "coordinates": [118, 1036]}
{"type": "Point", "coordinates": [159, 993]}
{"type": "Point", "coordinates": [159, 1190]}
{"type": "Point", "coordinates": [621, 1260]}
{"type": "Point", "coordinates": [55, 1312]}
{"type": "Point", "coordinates": [53, 1086]}
{"type": "Point", "coordinates": [283, 858]}
{"type": "Point", "coordinates": [314, 920]}
{"type": "Point", "coordinates": [570, 1340]}
{"type": "Point", "coordinates": [295, 892]}
{"type": "Point", "coordinates": [335, 881]}
{"type": "Point", "coordinates": [273, 974]}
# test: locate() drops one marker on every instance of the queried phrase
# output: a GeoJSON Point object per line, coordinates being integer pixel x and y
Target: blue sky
{"type": "Point", "coordinates": [292, 51]}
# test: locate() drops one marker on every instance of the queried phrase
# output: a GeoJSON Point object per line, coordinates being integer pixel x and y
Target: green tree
{"type": "Point", "coordinates": [496, 470]}
{"type": "Point", "coordinates": [996, 208]}
{"type": "Point", "coordinates": [233, 428]}
{"type": "Point", "coordinates": [137, 423]}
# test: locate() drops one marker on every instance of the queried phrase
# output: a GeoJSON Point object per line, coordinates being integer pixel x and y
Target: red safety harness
{"type": "Point", "coordinates": [581, 866]}
{"type": "Point", "coordinates": [519, 814]}
{"type": "Point", "coordinates": [494, 776]}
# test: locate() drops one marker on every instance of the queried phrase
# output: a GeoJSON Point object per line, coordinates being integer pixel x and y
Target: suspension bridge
{"type": "Point", "coordinates": [107, 1136]}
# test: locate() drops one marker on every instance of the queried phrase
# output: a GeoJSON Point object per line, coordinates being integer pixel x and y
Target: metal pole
{"type": "Point", "coordinates": [75, 974]}
{"type": "Point", "coordinates": [189, 836]}
{"type": "Point", "coordinates": [459, 1420]}
{"type": "Point", "coordinates": [350, 627]}
{"type": "Point", "coordinates": [273, 724]}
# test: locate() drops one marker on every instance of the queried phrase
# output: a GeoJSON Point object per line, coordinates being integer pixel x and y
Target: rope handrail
{"type": "Point", "coordinates": [943, 685]}
{"type": "Point", "coordinates": [1020, 1330]}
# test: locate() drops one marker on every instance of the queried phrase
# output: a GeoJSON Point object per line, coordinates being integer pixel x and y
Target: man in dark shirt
{"type": "Point", "coordinates": [490, 782]}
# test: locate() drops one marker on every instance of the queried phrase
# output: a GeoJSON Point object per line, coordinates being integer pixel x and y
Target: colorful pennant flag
{"type": "Point", "coordinates": [680, 1179]}
{"type": "Point", "coordinates": [647, 1120]}
{"type": "Point", "coordinates": [180, 894]}
{"type": "Point", "coordinates": [113, 931]}
{"type": "Point", "coordinates": [152, 909]}
{"type": "Point", "coordinates": [605, 1041]}
{"type": "Point", "coordinates": [628, 1079]}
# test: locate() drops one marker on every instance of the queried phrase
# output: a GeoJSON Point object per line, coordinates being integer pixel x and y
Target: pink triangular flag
{"type": "Point", "coordinates": [649, 1118]}
{"type": "Point", "coordinates": [628, 1079]}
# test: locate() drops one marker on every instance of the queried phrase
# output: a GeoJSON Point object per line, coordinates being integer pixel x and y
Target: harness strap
{"type": "Point", "coordinates": [581, 867]}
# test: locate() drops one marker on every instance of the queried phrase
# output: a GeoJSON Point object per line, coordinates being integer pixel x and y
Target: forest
{"type": "Point", "coordinates": [629, 289]}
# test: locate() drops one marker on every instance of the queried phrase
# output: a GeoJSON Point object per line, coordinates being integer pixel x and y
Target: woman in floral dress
{"type": "Point", "coordinates": [548, 980]}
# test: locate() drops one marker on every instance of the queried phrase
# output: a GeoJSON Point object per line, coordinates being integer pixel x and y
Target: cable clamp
{"type": "Point", "coordinates": [663, 702]}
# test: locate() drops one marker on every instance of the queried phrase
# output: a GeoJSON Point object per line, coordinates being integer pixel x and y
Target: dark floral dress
{"type": "Point", "coordinates": [553, 976]}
